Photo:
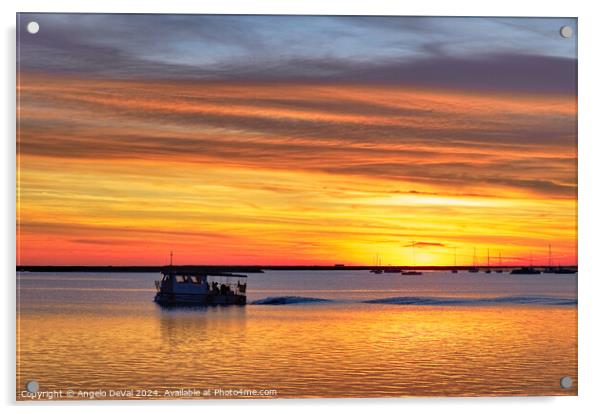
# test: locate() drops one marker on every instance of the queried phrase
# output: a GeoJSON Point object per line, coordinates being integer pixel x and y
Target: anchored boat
{"type": "Point", "coordinates": [525, 271]}
{"type": "Point", "coordinates": [200, 288]}
{"type": "Point", "coordinates": [560, 270]}
{"type": "Point", "coordinates": [411, 273]}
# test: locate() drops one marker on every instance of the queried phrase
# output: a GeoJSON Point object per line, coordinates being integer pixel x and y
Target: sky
{"type": "Point", "coordinates": [296, 140]}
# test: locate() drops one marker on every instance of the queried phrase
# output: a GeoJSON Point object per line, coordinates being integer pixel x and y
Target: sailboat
{"type": "Point", "coordinates": [488, 268]}
{"type": "Point", "coordinates": [559, 270]}
{"type": "Point", "coordinates": [474, 268]}
{"type": "Point", "coordinates": [549, 269]}
{"type": "Point", "coordinates": [526, 270]}
{"type": "Point", "coordinates": [377, 270]}
{"type": "Point", "coordinates": [455, 262]}
{"type": "Point", "coordinates": [499, 261]}
{"type": "Point", "coordinates": [412, 272]}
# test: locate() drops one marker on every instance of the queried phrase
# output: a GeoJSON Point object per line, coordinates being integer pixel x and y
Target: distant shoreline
{"type": "Point", "coordinates": [251, 269]}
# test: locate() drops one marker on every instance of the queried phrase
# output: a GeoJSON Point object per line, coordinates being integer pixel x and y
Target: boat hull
{"type": "Point", "coordinates": [187, 299]}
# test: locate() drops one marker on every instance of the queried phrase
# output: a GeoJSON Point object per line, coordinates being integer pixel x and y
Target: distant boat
{"type": "Point", "coordinates": [376, 270]}
{"type": "Point", "coordinates": [565, 271]}
{"type": "Point", "coordinates": [454, 271]}
{"type": "Point", "coordinates": [499, 262]}
{"type": "Point", "coordinates": [411, 273]}
{"type": "Point", "coordinates": [525, 271]}
{"type": "Point", "coordinates": [557, 270]}
{"type": "Point", "coordinates": [549, 269]}
{"type": "Point", "coordinates": [474, 268]}
{"type": "Point", "coordinates": [391, 270]}
{"type": "Point", "coordinates": [488, 263]}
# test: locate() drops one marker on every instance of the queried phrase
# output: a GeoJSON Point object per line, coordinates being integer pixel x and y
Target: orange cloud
{"type": "Point", "coordinates": [115, 172]}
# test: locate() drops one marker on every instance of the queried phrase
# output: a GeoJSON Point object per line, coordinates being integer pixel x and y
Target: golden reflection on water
{"type": "Point", "coordinates": [344, 350]}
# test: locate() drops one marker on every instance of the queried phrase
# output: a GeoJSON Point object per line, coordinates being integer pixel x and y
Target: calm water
{"type": "Point", "coordinates": [375, 336]}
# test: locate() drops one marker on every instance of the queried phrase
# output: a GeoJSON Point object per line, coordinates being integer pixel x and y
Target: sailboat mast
{"type": "Point", "coordinates": [549, 255]}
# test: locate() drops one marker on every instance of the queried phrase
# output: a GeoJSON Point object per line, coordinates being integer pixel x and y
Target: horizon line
{"type": "Point", "coordinates": [336, 265]}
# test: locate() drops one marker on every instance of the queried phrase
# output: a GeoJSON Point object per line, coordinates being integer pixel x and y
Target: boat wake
{"type": "Point", "coordinates": [447, 301]}
{"type": "Point", "coordinates": [430, 301]}
{"type": "Point", "coordinates": [287, 300]}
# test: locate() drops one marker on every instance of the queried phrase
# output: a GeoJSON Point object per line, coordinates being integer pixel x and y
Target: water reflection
{"type": "Point", "coordinates": [116, 338]}
{"type": "Point", "coordinates": [182, 326]}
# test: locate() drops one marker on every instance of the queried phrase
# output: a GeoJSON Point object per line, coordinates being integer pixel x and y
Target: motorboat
{"type": "Point", "coordinates": [200, 288]}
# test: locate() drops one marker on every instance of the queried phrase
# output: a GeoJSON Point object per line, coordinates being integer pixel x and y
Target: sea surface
{"type": "Point", "coordinates": [303, 334]}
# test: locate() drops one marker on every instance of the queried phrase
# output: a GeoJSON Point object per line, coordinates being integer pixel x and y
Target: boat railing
{"type": "Point", "coordinates": [233, 282]}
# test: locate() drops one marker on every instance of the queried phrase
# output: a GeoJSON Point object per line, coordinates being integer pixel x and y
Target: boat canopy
{"type": "Point", "coordinates": [201, 273]}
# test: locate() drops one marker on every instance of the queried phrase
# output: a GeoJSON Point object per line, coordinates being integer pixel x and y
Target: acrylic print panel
{"type": "Point", "coordinates": [222, 206]}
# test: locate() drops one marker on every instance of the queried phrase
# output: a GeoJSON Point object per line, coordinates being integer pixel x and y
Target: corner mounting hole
{"type": "Point", "coordinates": [33, 27]}
{"type": "Point", "coordinates": [566, 382]}
{"type": "Point", "coordinates": [566, 32]}
{"type": "Point", "coordinates": [32, 386]}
